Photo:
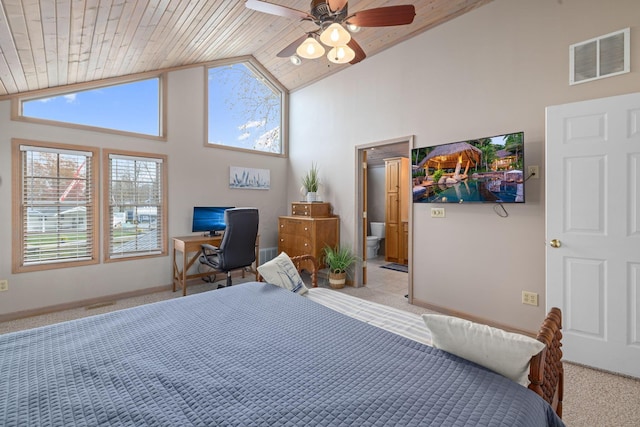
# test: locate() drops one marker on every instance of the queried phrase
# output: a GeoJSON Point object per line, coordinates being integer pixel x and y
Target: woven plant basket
{"type": "Point", "coordinates": [337, 280]}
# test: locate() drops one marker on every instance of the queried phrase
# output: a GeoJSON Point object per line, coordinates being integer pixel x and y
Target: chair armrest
{"type": "Point", "coordinates": [208, 249]}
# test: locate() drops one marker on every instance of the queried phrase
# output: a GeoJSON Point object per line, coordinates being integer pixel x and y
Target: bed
{"type": "Point", "coordinates": [259, 355]}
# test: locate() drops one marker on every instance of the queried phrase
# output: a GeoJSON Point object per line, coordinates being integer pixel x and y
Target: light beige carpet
{"type": "Point", "coordinates": [591, 398]}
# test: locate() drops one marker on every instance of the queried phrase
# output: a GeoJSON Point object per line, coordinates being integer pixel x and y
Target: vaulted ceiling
{"type": "Point", "coordinates": [51, 43]}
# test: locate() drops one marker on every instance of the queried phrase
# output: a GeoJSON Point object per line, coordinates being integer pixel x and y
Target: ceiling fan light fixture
{"type": "Point", "coordinates": [353, 28]}
{"type": "Point", "coordinates": [310, 49]}
{"type": "Point", "coordinates": [341, 55]}
{"type": "Point", "coordinates": [335, 35]}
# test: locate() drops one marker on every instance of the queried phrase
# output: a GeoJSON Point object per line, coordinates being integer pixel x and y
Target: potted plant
{"type": "Point", "coordinates": [338, 259]}
{"type": "Point", "coordinates": [310, 183]}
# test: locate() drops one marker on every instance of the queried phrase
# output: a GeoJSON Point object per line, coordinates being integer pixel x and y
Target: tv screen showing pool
{"type": "Point", "coordinates": [485, 170]}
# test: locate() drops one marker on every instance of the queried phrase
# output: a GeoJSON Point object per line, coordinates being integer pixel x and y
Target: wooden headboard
{"type": "Point", "coordinates": [302, 262]}
{"type": "Point", "coordinates": [546, 373]}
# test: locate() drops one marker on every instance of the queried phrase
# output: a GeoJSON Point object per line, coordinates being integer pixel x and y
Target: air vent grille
{"type": "Point", "coordinates": [603, 56]}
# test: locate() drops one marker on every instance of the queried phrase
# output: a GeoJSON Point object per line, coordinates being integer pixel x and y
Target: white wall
{"type": "Point", "coordinates": [197, 176]}
{"type": "Point", "coordinates": [491, 71]}
{"type": "Point", "coordinates": [376, 196]}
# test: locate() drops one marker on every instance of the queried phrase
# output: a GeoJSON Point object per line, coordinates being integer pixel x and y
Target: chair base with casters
{"type": "Point", "coordinates": [213, 277]}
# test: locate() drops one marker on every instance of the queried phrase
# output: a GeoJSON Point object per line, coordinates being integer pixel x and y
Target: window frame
{"type": "Point", "coordinates": [18, 100]}
{"type": "Point", "coordinates": [106, 204]}
{"type": "Point", "coordinates": [253, 64]}
{"type": "Point", "coordinates": [18, 219]}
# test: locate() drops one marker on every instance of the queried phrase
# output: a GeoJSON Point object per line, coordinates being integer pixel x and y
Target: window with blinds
{"type": "Point", "coordinates": [57, 208]}
{"type": "Point", "coordinates": [136, 209]}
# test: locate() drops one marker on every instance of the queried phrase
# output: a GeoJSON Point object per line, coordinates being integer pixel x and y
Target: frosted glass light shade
{"type": "Point", "coordinates": [310, 49]}
{"type": "Point", "coordinates": [341, 55]}
{"type": "Point", "coordinates": [353, 28]}
{"type": "Point", "coordinates": [335, 35]}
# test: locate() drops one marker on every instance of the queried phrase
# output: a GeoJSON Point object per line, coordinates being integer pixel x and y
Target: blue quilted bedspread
{"type": "Point", "coordinates": [249, 355]}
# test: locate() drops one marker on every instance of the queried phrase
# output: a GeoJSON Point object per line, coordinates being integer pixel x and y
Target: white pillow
{"type": "Point", "coordinates": [280, 271]}
{"type": "Point", "coordinates": [503, 352]}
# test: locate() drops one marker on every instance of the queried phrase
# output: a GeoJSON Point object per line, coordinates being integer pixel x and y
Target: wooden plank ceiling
{"type": "Point", "coordinates": [51, 43]}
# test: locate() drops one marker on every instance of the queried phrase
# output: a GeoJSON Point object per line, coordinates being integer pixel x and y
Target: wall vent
{"type": "Point", "coordinates": [601, 57]}
{"type": "Point", "coordinates": [267, 254]}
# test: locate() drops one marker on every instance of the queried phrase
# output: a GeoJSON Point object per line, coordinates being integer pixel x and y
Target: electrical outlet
{"type": "Point", "coordinates": [437, 213]}
{"type": "Point", "coordinates": [4, 285]}
{"type": "Point", "coordinates": [530, 298]}
{"type": "Point", "coordinates": [533, 172]}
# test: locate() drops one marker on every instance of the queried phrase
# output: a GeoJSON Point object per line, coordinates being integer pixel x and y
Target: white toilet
{"type": "Point", "coordinates": [373, 241]}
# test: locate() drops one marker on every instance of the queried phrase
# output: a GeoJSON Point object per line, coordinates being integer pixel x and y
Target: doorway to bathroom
{"type": "Point", "coordinates": [371, 208]}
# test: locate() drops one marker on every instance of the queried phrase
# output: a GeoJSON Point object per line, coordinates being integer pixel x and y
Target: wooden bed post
{"type": "Point", "coordinates": [546, 373]}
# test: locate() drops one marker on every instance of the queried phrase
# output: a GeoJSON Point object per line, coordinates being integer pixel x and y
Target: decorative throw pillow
{"type": "Point", "coordinates": [503, 352]}
{"type": "Point", "coordinates": [280, 271]}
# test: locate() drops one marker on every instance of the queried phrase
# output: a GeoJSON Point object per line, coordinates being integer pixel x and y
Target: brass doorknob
{"type": "Point", "coordinates": [555, 243]}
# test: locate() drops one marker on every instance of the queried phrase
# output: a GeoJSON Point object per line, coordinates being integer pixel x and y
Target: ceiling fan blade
{"type": "Point", "coordinates": [291, 49]}
{"type": "Point", "coordinates": [275, 9]}
{"type": "Point", "coordinates": [384, 16]}
{"type": "Point", "coordinates": [336, 5]}
{"type": "Point", "coordinates": [360, 55]}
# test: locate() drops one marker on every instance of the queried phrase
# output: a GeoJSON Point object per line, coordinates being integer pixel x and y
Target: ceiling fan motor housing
{"type": "Point", "coordinates": [323, 15]}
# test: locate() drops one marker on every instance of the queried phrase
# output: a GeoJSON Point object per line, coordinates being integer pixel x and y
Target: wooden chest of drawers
{"type": "Point", "coordinates": [300, 235]}
{"type": "Point", "coordinates": [311, 209]}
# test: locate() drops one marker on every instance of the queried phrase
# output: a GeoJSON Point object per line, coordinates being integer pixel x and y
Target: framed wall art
{"type": "Point", "coordinates": [249, 178]}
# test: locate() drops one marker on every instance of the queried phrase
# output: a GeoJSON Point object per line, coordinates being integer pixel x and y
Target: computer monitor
{"type": "Point", "coordinates": [209, 219]}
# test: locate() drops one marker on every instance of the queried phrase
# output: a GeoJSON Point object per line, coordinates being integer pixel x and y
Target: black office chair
{"type": "Point", "coordinates": [238, 247]}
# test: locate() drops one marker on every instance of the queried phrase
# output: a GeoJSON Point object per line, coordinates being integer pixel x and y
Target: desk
{"type": "Point", "coordinates": [192, 244]}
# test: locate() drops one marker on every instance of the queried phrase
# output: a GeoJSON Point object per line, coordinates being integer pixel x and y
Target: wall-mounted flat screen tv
{"type": "Point", "coordinates": [486, 170]}
{"type": "Point", "coordinates": [209, 219]}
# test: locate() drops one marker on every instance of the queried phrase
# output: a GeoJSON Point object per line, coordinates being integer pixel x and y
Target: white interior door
{"type": "Point", "coordinates": [593, 229]}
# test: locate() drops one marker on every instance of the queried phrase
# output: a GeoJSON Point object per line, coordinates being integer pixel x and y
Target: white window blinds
{"type": "Point", "coordinates": [57, 205]}
{"type": "Point", "coordinates": [136, 206]}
